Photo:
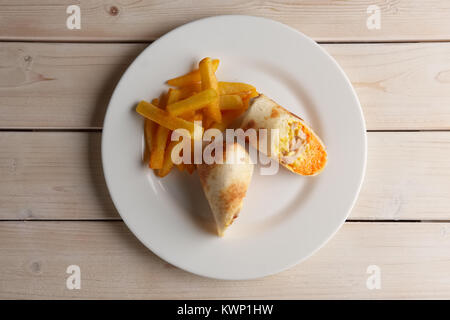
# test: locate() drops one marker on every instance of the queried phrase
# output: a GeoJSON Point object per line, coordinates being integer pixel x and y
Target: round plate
{"type": "Point", "coordinates": [286, 217]}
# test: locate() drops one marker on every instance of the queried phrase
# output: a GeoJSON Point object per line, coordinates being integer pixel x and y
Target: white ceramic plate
{"type": "Point", "coordinates": [285, 217]}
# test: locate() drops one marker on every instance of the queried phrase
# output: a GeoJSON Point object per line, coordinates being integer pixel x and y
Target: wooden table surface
{"type": "Point", "coordinates": [55, 210]}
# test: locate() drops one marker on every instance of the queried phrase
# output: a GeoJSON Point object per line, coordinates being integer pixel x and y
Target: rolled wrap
{"type": "Point", "coordinates": [296, 147]}
{"type": "Point", "coordinates": [225, 185]}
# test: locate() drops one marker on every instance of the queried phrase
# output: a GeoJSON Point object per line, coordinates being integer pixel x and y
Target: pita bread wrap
{"type": "Point", "coordinates": [225, 185]}
{"type": "Point", "coordinates": [296, 146]}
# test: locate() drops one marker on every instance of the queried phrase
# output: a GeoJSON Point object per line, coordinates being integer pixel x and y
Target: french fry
{"type": "Point", "coordinates": [232, 115]}
{"type": "Point", "coordinates": [167, 164]}
{"type": "Point", "coordinates": [190, 90]}
{"type": "Point", "coordinates": [191, 77]}
{"type": "Point", "coordinates": [209, 81]}
{"type": "Point", "coordinates": [158, 150]}
{"type": "Point", "coordinates": [207, 122]}
{"type": "Point", "coordinates": [197, 101]}
{"type": "Point", "coordinates": [230, 102]}
{"type": "Point", "coordinates": [197, 96]}
{"type": "Point", "coordinates": [181, 166]}
{"type": "Point", "coordinates": [188, 115]}
{"type": "Point", "coordinates": [149, 130]}
{"type": "Point", "coordinates": [228, 118]}
{"type": "Point", "coordinates": [218, 125]}
{"type": "Point", "coordinates": [165, 119]}
{"type": "Point", "coordinates": [149, 135]}
{"type": "Point", "coordinates": [198, 116]}
{"type": "Point", "coordinates": [173, 96]}
{"type": "Point", "coordinates": [239, 88]}
{"type": "Point", "coordinates": [253, 94]}
{"type": "Point", "coordinates": [162, 133]}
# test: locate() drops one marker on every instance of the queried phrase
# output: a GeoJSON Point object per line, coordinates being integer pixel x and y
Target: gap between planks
{"type": "Point", "coordinates": [413, 257]}
{"type": "Point", "coordinates": [54, 175]}
{"type": "Point", "coordinates": [327, 20]}
{"type": "Point", "coordinates": [391, 81]}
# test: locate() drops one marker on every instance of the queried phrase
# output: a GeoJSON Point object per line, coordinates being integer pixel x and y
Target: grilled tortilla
{"type": "Point", "coordinates": [297, 147]}
{"type": "Point", "coordinates": [225, 185]}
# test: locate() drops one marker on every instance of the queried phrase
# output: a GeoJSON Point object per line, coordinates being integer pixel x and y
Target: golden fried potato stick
{"type": "Point", "coordinates": [188, 115]}
{"type": "Point", "coordinates": [149, 135]}
{"type": "Point", "coordinates": [173, 96]}
{"type": "Point", "coordinates": [209, 81]}
{"type": "Point", "coordinates": [198, 116]}
{"type": "Point", "coordinates": [228, 118]}
{"type": "Point", "coordinates": [193, 116]}
{"type": "Point", "coordinates": [230, 102]}
{"type": "Point", "coordinates": [168, 163]}
{"type": "Point", "coordinates": [165, 119]}
{"type": "Point", "coordinates": [162, 133]}
{"type": "Point", "coordinates": [159, 139]}
{"type": "Point", "coordinates": [157, 154]}
{"type": "Point", "coordinates": [191, 77]}
{"type": "Point", "coordinates": [190, 90]}
{"type": "Point", "coordinates": [218, 125]}
{"type": "Point", "coordinates": [195, 102]}
{"type": "Point", "coordinates": [238, 88]}
{"type": "Point", "coordinates": [253, 94]}
{"type": "Point", "coordinates": [207, 122]}
{"type": "Point", "coordinates": [181, 166]}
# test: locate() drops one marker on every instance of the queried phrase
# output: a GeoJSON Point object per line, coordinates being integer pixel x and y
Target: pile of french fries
{"type": "Point", "coordinates": [195, 96]}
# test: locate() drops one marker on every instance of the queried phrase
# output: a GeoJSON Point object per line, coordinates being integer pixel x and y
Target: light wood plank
{"type": "Point", "coordinates": [400, 86]}
{"type": "Point", "coordinates": [60, 85]}
{"type": "Point", "coordinates": [52, 175]}
{"type": "Point", "coordinates": [414, 259]}
{"type": "Point", "coordinates": [147, 20]}
{"type": "Point", "coordinates": [58, 175]}
{"type": "Point", "coordinates": [407, 177]}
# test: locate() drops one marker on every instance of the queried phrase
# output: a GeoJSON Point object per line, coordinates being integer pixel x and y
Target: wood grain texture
{"type": "Point", "coordinates": [400, 86]}
{"type": "Point", "coordinates": [58, 175]}
{"type": "Point", "coordinates": [52, 175]}
{"type": "Point", "coordinates": [132, 20]}
{"type": "Point", "coordinates": [407, 177]}
{"type": "Point", "coordinates": [414, 259]}
{"type": "Point", "coordinates": [59, 85]}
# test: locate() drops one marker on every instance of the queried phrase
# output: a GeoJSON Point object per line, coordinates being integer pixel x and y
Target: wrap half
{"type": "Point", "coordinates": [296, 146]}
{"type": "Point", "coordinates": [225, 185]}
